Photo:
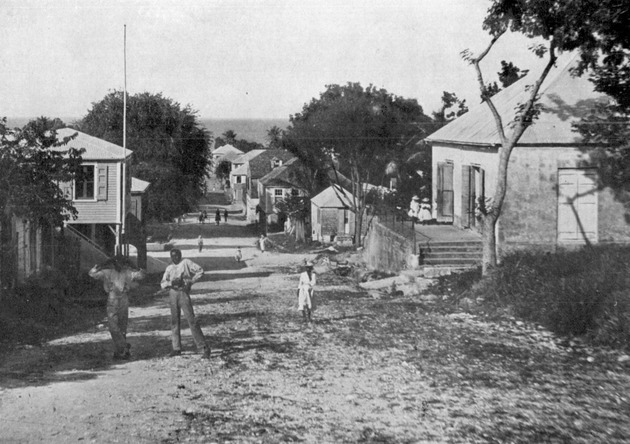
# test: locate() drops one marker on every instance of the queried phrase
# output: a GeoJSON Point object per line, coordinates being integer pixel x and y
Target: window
{"type": "Point", "coordinates": [84, 184]}
{"type": "Point", "coordinates": [239, 179]}
{"type": "Point", "coordinates": [295, 192]}
{"type": "Point", "coordinates": [278, 194]}
{"type": "Point", "coordinates": [276, 163]}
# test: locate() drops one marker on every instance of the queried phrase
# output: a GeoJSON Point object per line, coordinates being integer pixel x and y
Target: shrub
{"type": "Point", "coordinates": [581, 292]}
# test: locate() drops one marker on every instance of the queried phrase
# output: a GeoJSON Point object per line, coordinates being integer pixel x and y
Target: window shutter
{"type": "Point", "coordinates": [466, 191]}
{"type": "Point", "coordinates": [102, 182]}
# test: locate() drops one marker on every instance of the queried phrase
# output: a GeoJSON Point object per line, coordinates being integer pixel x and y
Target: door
{"type": "Point", "coordinates": [445, 192]}
{"type": "Point", "coordinates": [473, 189]}
{"type": "Point", "coordinates": [577, 205]}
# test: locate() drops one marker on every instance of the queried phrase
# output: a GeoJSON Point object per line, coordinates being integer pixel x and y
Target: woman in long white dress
{"type": "Point", "coordinates": [305, 291]}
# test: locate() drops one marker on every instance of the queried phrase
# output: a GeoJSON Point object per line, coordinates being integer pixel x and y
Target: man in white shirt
{"type": "Point", "coordinates": [178, 278]}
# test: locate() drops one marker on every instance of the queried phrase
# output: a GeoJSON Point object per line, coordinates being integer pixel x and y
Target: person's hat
{"type": "Point", "coordinates": [426, 199]}
{"type": "Point", "coordinates": [415, 198]}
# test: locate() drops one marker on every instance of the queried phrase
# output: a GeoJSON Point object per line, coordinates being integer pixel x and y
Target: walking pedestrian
{"type": "Point", "coordinates": [200, 243]}
{"type": "Point", "coordinates": [117, 274]}
{"type": "Point", "coordinates": [178, 278]}
{"type": "Point", "coordinates": [238, 256]}
{"type": "Point", "coordinates": [262, 242]}
{"type": "Point", "coordinates": [305, 291]}
{"type": "Point", "coordinates": [217, 217]}
{"type": "Point", "coordinates": [225, 215]}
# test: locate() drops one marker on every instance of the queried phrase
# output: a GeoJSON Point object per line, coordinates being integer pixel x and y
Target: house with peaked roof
{"type": "Point", "coordinates": [278, 184]}
{"type": "Point", "coordinates": [553, 199]}
{"type": "Point", "coordinates": [259, 167]}
{"type": "Point", "coordinates": [224, 152]}
{"type": "Point", "coordinates": [98, 198]}
{"type": "Point", "coordinates": [331, 215]}
{"type": "Point", "coordinates": [239, 175]}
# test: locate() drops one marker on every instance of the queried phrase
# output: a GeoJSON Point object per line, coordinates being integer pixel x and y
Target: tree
{"type": "Point", "coordinates": [230, 137]}
{"type": "Point", "coordinates": [274, 137]}
{"type": "Point", "coordinates": [354, 131]}
{"type": "Point", "coordinates": [32, 164]}
{"type": "Point", "coordinates": [222, 170]}
{"type": "Point", "coordinates": [563, 25]}
{"type": "Point", "coordinates": [171, 148]}
{"type": "Point", "coordinates": [297, 209]}
{"type": "Point", "coordinates": [452, 107]}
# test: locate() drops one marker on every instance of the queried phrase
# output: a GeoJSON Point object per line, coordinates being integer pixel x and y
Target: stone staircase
{"type": "Point", "coordinates": [450, 254]}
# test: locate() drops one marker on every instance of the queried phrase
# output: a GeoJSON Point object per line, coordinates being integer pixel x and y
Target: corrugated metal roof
{"type": "Point", "coordinates": [333, 197]}
{"type": "Point", "coordinates": [95, 148]}
{"type": "Point", "coordinates": [565, 99]}
{"type": "Point", "coordinates": [139, 186]}
{"type": "Point", "coordinates": [282, 175]}
{"type": "Point", "coordinates": [261, 165]}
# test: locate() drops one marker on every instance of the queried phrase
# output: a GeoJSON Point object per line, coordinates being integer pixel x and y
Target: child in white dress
{"type": "Point", "coordinates": [305, 291]}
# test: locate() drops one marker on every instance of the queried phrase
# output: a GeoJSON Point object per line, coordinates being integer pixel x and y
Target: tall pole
{"type": "Point", "coordinates": [125, 244]}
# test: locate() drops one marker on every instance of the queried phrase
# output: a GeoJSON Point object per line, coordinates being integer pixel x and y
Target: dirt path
{"type": "Point", "coordinates": [367, 370]}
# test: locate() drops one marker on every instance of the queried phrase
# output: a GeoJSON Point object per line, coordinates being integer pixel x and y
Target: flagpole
{"type": "Point", "coordinates": [125, 244]}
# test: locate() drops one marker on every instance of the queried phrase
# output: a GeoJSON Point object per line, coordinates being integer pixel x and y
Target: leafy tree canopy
{"type": "Point", "coordinates": [32, 162]}
{"type": "Point", "coordinates": [171, 147]}
{"type": "Point", "coordinates": [355, 131]}
{"type": "Point", "coordinates": [230, 138]}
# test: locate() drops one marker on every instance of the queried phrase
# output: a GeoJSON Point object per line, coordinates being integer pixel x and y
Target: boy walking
{"type": "Point", "coordinates": [179, 278]}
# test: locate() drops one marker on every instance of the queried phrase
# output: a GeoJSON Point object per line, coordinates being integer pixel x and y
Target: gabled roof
{"type": "Point", "coordinates": [226, 149]}
{"type": "Point", "coordinates": [261, 165]}
{"type": "Point", "coordinates": [565, 99]}
{"type": "Point", "coordinates": [333, 197]}
{"type": "Point", "coordinates": [246, 157]}
{"type": "Point", "coordinates": [95, 148]}
{"type": "Point", "coordinates": [139, 186]}
{"type": "Point", "coordinates": [282, 176]}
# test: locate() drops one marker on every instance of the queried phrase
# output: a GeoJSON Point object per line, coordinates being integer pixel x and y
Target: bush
{"type": "Point", "coordinates": [583, 293]}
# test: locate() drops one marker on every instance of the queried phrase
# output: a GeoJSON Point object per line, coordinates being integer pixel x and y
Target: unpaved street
{"type": "Point", "coordinates": [392, 370]}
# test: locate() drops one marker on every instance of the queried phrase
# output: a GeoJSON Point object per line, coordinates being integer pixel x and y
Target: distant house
{"type": "Point", "coordinates": [259, 167]}
{"type": "Point", "coordinates": [240, 173]}
{"type": "Point", "coordinates": [332, 219]}
{"type": "Point", "coordinates": [225, 152]}
{"type": "Point", "coordinates": [553, 197]}
{"type": "Point", "coordinates": [277, 185]}
{"type": "Point", "coordinates": [98, 198]}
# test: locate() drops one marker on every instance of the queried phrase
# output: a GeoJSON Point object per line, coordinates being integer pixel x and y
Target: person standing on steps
{"type": "Point", "coordinates": [217, 217]}
{"type": "Point", "coordinates": [117, 274]}
{"type": "Point", "coordinates": [305, 291]}
{"type": "Point", "coordinates": [225, 215]}
{"type": "Point", "coordinates": [178, 278]}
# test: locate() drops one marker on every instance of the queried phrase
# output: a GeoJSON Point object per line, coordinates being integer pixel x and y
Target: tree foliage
{"type": "Point", "coordinates": [171, 148]}
{"type": "Point", "coordinates": [222, 170]}
{"type": "Point", "coordinates": [32, 164]}
{"type": "Point", "coordinates": [355, 131]}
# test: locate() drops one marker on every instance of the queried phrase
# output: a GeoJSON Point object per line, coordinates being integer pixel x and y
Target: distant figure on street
{"type": "Point", "coordinates": [424, 215]}
{"type": "Point", "coordinates": [305, 291]}
{"type": "Point", "coordinates": [217, 217]}
{"type": "Point", "coordinates": [238, 256]}
{"type": "Point", "coordinates": [178, 279]}
{"type": "Point", "coordinates": [200, 243]}
{"type": "Point", "coordinates": [414, 209]}
{"type": "Point", "coordinates": [225, 215]}
{"type": "Point", "coordinates": [262, 242]}
{"type": "Point", "coordinates": [117, 274]}
{"type": "Point", "coordinates": [200, 217]}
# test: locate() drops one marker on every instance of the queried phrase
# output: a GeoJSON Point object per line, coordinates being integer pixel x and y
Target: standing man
{"type": "Point", "coordinates": [178, 278]}
{"type": "Point", "coordinates": [225, 215]}
{"type": "Point", "coordinates": [117, 275]}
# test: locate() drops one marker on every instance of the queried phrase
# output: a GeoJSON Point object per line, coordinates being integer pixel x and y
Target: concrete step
{"type": "Point", "coordinates": [453, 261]}
{"type": "Point", "coordinates": [453, 254]}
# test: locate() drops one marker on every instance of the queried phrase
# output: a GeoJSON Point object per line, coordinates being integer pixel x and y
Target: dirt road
{"type": "Point", "coordinates": [367, 370]}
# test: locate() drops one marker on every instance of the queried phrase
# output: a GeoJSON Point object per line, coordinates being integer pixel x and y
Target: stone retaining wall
{"type": "Point", "coordinates": [385, 250]}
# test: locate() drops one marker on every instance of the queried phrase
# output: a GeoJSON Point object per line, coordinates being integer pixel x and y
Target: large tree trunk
{"type": "Point", "coordinates": [300, 232]}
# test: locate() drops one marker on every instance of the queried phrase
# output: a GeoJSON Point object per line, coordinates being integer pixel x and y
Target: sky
{"type": "Point", "coordinates": [240, 58]}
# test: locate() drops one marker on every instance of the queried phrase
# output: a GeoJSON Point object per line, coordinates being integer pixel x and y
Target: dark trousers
{"type": "Point", "coordinates": [180, 301]}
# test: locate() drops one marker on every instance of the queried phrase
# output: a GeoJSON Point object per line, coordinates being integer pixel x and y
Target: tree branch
{"type": "Point", "coordinates": [476, 61]}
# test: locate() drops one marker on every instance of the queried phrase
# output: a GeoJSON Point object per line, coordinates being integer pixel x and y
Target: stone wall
{"type": "Point", "coordinates": [385, 250]}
